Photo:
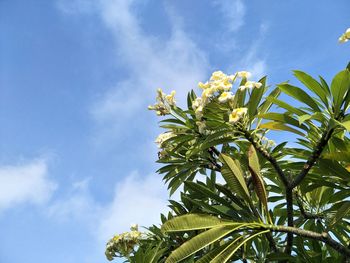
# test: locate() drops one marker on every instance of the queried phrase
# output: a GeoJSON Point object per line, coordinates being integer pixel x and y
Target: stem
{"type": "Point", "coordinates": [267, 155]}
{"type": "Point", "coordinates": [323, 237]}
{"type": "Point", "coordinates": [290, 221]}
{"type": "Point", "coordinates": [305, 214]}
{"type": "Point", "coordinates": [284, 179]}
{"type": "Point", "coordinates": [327, 134]}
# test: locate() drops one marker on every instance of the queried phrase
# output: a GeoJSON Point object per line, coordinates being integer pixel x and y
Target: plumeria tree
{"type": "Point", "coordinates": [243, 196]}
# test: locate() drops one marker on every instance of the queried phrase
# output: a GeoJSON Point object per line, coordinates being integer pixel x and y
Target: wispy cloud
{"type": "Point", "coordinates": [172, 63]}
{"type": "Point", "coordinates": [233, 12]}
{"type": "Point", "coordinates": [25, 183]}
{"type": "Point", "coordinates": [76, 205]}
{"type": "Point", "coordinates": [137, 199]}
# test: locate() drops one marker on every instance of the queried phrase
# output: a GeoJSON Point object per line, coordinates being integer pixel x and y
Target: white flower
{"type": "Point", "coordinates": [204, 85]}
{"type": "Point", "coordinates": [237, 114]}
{"type": "Point", "coordinates": [250, 85]}
{"type": "Point", "coordinates": [199, 112]}
{"type": "Point", "coordinates": [217, 75]}
{"type": "Point", "coordinates": [244, 74]}
{"type": "Point", "coordinates": [347, 33]}
{"type": "Point", "coordinates": [201, 127]}
{"type": "Point", "coordinates": [196, 103]}
{"type": "Point", "coordinates": [163, 137]}
{"type": "Point", "coordinates": [225, 96]}
{"type": "Point", "coordinates": [134, 227]}
{"type": "Point", "coordinates": [164, 103]}
{"type": "Point", "coordinates": [345, 37]}
{"type": "Point", "coordinates": [257, 85]}
{"type": "Point", "coordinates": [170, 98]}
{"type": "Point", "coordinates": [207, 93]}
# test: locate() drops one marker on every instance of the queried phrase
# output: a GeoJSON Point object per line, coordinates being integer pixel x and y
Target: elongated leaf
{"type": "Point", "coordinates": [313, 85]}
{"type": "Point", "coordinates": [283, 118]}
{"type": "Point", "coordinates": [207, 192]}
{"type": "Point", "coordinates": [339, 87]}
{"type": "Point", "coordinates": [199, 242]}
{"type": "Point", "coordinates": [213, 253]}
{"type": "Point", "coordinates": [194, 222]}
{"type": "Point", "coordinates": [255, 98]}
{"type": "Point", "coordinates": [346, 124]}
{"type": "Point", "coordinates": [278, 126]}
{"type": "Point", "coordinates": [304, 117]}
{"type": "Point", "coordinates": [317, 116]}
{"type": "Point", "coordinates": [344, 210]}
{"type": "Point", "coordinates": [299, 94]}
{"type": "Point", "coordinates": [286, 106]}
{"type": "Point", "coordinates": [266, 105]}
{"type": "Point", "coordinates": [228, 247]}
{"type": "Point", "coordinates": [338, 156]}
{"type": "Point", "coordinates": [229, 251]}
{"type": "Point", "coordinates": [254, 168]}
{"type": "Point", "coordinates": [234, 177]}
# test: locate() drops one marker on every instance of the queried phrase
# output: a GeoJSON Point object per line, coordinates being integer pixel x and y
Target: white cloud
{"type": "Point", "coordinates": [172, 63]}
{"type": "Point", "coordinates": [77, 205]}
{"type": "Point", "coordinates": [254, 59]}
{"type": "Point", "coordinates": [233, 12]}
{"type": "Point", "coordinates": [138, 199]}
{"type": "Point", "coordinates": [25, 183]}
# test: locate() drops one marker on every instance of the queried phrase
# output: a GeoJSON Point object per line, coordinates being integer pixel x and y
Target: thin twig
{"type": "Point", "coordinates": [327, 134]}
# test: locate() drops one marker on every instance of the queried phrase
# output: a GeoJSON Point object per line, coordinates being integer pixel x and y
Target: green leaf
{"type": "Point", "coordinates": [304, 117]}
{"type": "Point", "coordinates": [299, 95]}
{"type": "Point", "coordinates": [255, 98]}
{"type": "Point", "coordinates": [313, 85]}
{"type": "Point", "coordinates": [338, 156]}
{"type": "Point", "coordinates": [283, 118]}
{"type": "Point", "coordinates": [286, 106]}
{"type": "Point", "coordinates": [346, 124]}
{"type": "Point", "coordinates": [199, 242]}
{"type": "Point", "coordinates": [229, 251]}
{"type": "Point", "coordinates": [212, 253]}
{"type": "Point", "coordinates": [277, 256]}
{"type": "Point", "coordinates": [207, 192]}
{"type": "Point", "coordinates": [344, 210]}
{"type": "Point", "coordinates": [278, 126]}
{"type": "Point", "coordinates": [258, 182]}
{"type": "Point", "coordinates": [233, 175]}
{"type": "Point", "coordinates": [339, 87]}
{"type": "Point", "coordinates": [224, 255]}
{"type": "Point", "coordinates": [194, 222]}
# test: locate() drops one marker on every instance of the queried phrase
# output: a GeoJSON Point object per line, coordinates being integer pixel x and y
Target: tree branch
{"type": "Point", "coordinates": [327, 134]}
{"type": "Point", "coordinates": [305, 214]}
{"type": "Point", "coordinates": [290, 219]}
{"type": "Point", "coordinates": [266, 154]}
{"type": "Point", "coordinates": [323, 237]}
{"type": "Point", "coordinates": [284, 179]}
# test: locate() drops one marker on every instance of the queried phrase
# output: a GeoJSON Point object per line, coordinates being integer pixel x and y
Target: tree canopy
{"type": "Point", "coordinates": [242, 195]}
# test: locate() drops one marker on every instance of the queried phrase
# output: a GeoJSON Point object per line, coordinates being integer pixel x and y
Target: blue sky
{"type": "Point", "coordinates": [77, 158]}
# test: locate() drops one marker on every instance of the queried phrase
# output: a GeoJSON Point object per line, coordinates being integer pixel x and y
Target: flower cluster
{"type": "Point", "coordinates": [219, 88]}
{"type": "Point", "coordinates": [237, 114]}
{"type": "Point", "coordinates": [265, 142]}
{"type": "Point", "coordinates": [161, 142]}
{"type": "Point", "coordinates": [162, 138]}
{"type": "Point", "coordinates": [123, 245]}
{"type": "Point", "coordinates": [221, 84]}
{"type": "Point", "coordinates": [345, 37]}
{"type": "Point", "coordinates": [164, 103]}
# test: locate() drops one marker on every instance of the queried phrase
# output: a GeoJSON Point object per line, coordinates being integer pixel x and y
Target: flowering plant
{"type": "Point", "coordinates": [244, 197]}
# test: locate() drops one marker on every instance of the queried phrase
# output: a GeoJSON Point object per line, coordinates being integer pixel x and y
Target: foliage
{"type": "Point", "coordinates": [243, 197]}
